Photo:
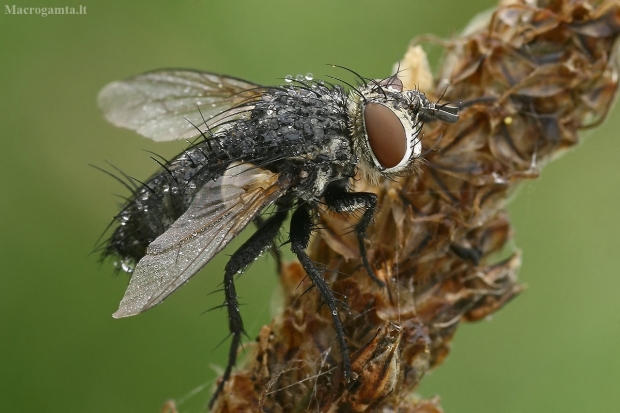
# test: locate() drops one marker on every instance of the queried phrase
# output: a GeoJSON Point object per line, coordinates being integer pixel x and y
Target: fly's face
{"type": "Point", "coordinates": [385, 125]}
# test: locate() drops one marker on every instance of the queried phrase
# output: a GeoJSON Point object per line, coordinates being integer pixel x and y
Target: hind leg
{"type": "Point", "coordinates": [239, 261]}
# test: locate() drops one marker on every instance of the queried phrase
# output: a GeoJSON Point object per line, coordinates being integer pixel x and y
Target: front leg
{"type": "Point", "coordinates": [338, 199]}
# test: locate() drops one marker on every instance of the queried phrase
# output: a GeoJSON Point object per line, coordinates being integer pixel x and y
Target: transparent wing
{"type": "Point", "coordinates": [219, 212]}
{"type": "Point", "coordinates": [161, 104]}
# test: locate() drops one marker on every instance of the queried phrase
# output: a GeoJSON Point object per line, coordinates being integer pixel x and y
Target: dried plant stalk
{"type": "Point", "coordinates": [531, 75]}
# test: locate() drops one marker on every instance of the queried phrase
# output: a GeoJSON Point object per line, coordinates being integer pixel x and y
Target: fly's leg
{"type": "Point", "coordinates": [239, 261]}
{"type": "Point", "coordinates": [275, 251]}
{"type": "Point", "coordinates": [301, 229]}
{"type": "Point", "coordinates": [338, 199]}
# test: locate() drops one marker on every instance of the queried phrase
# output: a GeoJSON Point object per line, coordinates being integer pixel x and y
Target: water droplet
{"type": "Point", "coordinates": [299, 77]}
{"type": "Point", "coordinates": [309, 76]}
{"type": "Point", "coordinates": [288, 78]}
{"type": "Point", "coordinates": [269, 112]}
{"type": "Point", "coordinates": [335, 312]}
{"type": "Point", "coordinates": [127, 265]}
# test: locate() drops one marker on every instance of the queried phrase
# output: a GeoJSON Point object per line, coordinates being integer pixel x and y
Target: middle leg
{"type": "Point", "coordinates": [301, 229]}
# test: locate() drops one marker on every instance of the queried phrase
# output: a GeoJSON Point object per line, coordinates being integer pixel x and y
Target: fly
{"type": "Point", "coordinates": [293, 147]}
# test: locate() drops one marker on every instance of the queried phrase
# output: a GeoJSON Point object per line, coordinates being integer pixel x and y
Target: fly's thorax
{"type": "Point", "coordinates": [385, 129]}
{"type": "Point", "coordinates": [315, 175]}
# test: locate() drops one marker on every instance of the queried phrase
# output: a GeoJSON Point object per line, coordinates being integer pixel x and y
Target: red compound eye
{"type": "Point", "coordinates": [386, 135]}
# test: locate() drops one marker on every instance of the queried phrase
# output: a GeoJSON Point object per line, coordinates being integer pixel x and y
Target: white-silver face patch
{"type": "Point", "coordinates": [386, 128]}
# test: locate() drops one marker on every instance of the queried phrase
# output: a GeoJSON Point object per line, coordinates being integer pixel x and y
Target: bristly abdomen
{"type": "Point", "coordinates": [283, 125]}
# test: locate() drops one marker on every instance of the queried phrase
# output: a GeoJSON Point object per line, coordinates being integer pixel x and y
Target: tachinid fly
{"type": "Point", "coordinates": [294, 147]}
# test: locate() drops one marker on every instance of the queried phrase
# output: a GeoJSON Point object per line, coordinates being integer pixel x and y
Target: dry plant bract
{"type": "Point", "coordinates": [529, 76]}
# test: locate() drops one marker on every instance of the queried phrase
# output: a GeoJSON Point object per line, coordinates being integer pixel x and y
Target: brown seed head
{"type": "Point", "coordinates": [530, 76]}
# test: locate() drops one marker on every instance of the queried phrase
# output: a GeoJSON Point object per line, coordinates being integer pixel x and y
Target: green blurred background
{"type": "Point", "coordinates": [555, 348]}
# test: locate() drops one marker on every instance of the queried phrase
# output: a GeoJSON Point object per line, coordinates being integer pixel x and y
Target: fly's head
{"type": "Point", "coordinates": [385, 125]}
